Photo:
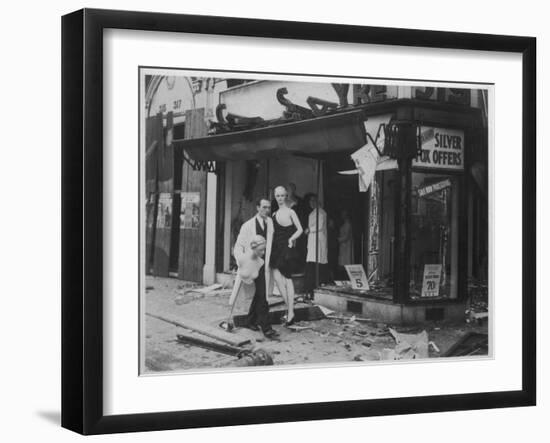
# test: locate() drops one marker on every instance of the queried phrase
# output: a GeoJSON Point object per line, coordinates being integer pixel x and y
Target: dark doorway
{"type": "Point", "coordinates": [342, 195]}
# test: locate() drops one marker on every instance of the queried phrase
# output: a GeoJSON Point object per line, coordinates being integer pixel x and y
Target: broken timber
{"type": "Point", "coordinates": [194, 339]}
{"type": "Point", "coordinates": [472, 343]}
{"type": "Point", "coordinates": [245, 357]}
{"type": "Point", "coordinates": [215, 333]}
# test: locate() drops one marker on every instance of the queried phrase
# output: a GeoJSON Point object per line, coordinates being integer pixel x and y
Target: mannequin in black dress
{"type": "Point", "coordinates": [284, 256]}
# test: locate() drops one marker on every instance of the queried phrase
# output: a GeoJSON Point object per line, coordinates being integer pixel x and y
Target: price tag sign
{"type": "Point", "coordinates": [357, 277]}
{"type": "Point", "coordinates": [430, 282]}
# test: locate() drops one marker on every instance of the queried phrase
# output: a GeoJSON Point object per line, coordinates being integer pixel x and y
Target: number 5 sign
{"type": "Point", "coordinates": [358, 277]}
{"type": "Point", "coordinates": [430, 283]}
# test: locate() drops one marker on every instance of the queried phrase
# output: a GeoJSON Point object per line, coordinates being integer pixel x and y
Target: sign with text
{"type": "Point", "coordinates": [430, 282]}
{"type": "Point", "coordinates": [441, 148]}
{"type": "Point", "coordinates": [357, 277]}
{"type": "Point", "coordinates": [430, 189]}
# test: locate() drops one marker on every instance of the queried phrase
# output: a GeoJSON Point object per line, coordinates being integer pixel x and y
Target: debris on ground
{"type": "Point", "coordinates": [408, 346]}
{"type": "Point", "coordinates": [297, 328]}
{"type": "Point", "coordinates": [206, 342]}
{"type": "Point", "coordinates": [470, 344]}
{"type": "Point", "coordinates": [257, 357]}
{"type": "Point", "coordinates": [478, 297]}
{"type": "Point", "coordinates": [434, 346]}
{"type": "Point", "coordinates": [326, 311]}
{"type": "Point", "coordinates": [276, 317]}
{"type": "Point", "coordinates": [334, 337]}
{"type": "Point", "coordinates": [476, 317]}
{"type": "Point", "coordinates": [207, 289]}
{"type": "Point", "coordinates": [217, 334]}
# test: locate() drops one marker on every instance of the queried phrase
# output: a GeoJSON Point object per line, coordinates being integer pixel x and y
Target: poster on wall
{"type": "Point", "coordinates": [431, 281]}
{"type": "Point", "coordinates": [190, 210]}
{"type": "Point", "coordinates": [442, 148]}
{"type": "Point", "coordinates": [164, 216]}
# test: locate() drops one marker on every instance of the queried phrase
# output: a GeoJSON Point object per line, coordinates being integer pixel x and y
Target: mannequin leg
{"type": "Point", "coordinates": [290, 295]}
{"type": "Point", "coordinates": [280, 281]}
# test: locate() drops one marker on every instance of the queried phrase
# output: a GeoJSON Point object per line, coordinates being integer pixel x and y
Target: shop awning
{"type": "Point", "coordinates": [314, 137]}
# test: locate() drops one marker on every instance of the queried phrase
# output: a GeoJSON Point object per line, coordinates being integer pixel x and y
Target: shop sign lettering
{"type": "Point", "coordinates": [439, 186]}
{"type": "Point", "coordinates": [441, 149]}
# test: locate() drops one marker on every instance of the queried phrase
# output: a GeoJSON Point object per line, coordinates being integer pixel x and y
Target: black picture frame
{"type": "Point", "coordinates": [82, 220]}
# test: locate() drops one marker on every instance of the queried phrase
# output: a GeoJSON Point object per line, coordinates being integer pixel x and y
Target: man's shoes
{"type": "Point", "coordinates": [271, 334]}
{"type": "Point", "coordinates": [252, 327]}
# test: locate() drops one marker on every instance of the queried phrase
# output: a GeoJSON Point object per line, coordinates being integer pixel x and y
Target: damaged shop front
{"type": "Point", "coordinates": [403, 169]}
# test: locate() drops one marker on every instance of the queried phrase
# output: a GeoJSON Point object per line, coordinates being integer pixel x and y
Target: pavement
{"type": "Point", "coordinates": [341, 338]}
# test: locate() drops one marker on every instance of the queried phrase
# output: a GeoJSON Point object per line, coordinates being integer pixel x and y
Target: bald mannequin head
{"type": "Point", "coordinates": [258, 245]}
{"type": "Point", "coordinates": [281, 195]}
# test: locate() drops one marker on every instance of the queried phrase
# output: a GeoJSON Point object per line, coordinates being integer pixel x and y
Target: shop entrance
{"type": "Point", "coordinates": [346, 209]}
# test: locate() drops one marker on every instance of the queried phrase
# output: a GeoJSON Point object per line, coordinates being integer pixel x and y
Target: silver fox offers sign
{"type": "Point", "coordinates": [441, 149]}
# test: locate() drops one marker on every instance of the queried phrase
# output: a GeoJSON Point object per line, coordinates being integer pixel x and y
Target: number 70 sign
{"type": "Point", "coordinates": [430, 282]}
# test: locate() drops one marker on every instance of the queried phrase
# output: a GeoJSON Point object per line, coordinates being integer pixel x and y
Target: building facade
{"type": "Point", "coordinates": [407, 164]}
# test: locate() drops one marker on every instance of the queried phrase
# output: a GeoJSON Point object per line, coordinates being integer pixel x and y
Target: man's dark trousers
{"type": "Point", "coordinates": [258, 313]}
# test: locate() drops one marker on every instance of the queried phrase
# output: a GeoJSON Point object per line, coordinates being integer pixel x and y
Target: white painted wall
{"type": "Point", "coordinates": [174, 94]}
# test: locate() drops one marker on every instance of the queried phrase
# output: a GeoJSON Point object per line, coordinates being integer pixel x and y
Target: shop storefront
{"type": "Point", "coordinates": [415, 208]}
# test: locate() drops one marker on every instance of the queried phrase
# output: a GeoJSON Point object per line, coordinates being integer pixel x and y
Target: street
{"type": "Point", "coordinates": [339, 339]}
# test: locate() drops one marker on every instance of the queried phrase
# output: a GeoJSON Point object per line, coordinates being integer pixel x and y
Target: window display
{"type": "Point", "coordinates": [434, 236]}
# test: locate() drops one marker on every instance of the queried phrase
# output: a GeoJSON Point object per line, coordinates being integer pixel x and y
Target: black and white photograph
{"type": "Point", "coordinates": [297, 220]}
{"type": "Point", "coordinates": [275, 221]}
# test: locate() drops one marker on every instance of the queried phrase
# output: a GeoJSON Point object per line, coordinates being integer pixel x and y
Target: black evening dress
{"type": "Point", "coordinates": [283, 258]}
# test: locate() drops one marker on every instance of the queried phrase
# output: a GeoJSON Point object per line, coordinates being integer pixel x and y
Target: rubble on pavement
{"type": "Point", "coordinates": [335, 337]}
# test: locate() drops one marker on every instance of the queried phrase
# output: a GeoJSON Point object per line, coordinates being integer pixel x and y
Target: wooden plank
{"type": "Point", "coordinates": [209, 331]}
{"type": "Point", "coordinates": [151, 187]}
{"type": "Point", "coordinates": [165, 155]}
{"type": "Point", "coordinates": [169, 186]}
{"type": "Point", "coordinates": [208, 343]}
{"type": "Point", "coordinates": [150, 230]}
{"type": "Point", "coordinates": [151, 153]}
{"type": "Point", "coordinates": [161, 246]}
{"type": "Point", "coordinates": [192, 241]}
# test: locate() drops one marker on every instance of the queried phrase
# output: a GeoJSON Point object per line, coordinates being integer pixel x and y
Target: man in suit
{"type": "Point", "coordinates": [260, 224]}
